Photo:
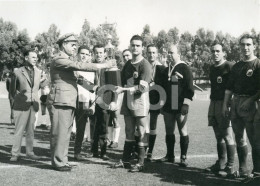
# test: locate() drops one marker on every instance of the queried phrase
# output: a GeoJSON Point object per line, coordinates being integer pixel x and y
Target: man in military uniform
{"type": "Point", "coordinates": [244, 85]}
{"type": "Point", "coordinates": [62, 98]}
{"type": "Point", "coordinates": [219, 74]}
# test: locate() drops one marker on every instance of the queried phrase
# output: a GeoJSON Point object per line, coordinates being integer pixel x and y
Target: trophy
{"type": "Point", "coordinates": [112, 75]}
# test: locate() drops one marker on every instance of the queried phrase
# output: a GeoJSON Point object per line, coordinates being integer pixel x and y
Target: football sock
{"type": "Point", "coordinates": [231, 150]}
{"type": "Point", "coordinates": [141, 155]}
{"type": "Point", "coordinates": [137, 140]}
{"type": "Point", "coordinates": [256, 160]}
{"type": "Point", "coordinates": [242, 157]}
{"type": "Point", "coordinates": [128, 149]}
{"type": "Point", "coordinates": [184, 143]}
{"type": "Point", "coordinates": [222, 151]}
{"type": "Point", "coordinates": [152, 139]}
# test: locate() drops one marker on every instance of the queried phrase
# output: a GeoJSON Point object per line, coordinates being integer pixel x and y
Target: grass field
{"type": "Point", "coordinates": [201, 154]}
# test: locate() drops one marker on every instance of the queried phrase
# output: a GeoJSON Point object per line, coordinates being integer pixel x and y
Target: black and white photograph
{"type": "Point", "coordinates": [130, 92]}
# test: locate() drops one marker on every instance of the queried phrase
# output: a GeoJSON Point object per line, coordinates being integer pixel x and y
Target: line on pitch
{"type": "Point", "coordinates": [17, 166]}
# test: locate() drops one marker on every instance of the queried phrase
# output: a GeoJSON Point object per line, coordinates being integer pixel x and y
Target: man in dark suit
{"type": "Point", "coordinates": [24, 88]}
{"type": "Point", "coordinates": [63, 96]}
{"type": "Point", "coordinates": [154, 95]}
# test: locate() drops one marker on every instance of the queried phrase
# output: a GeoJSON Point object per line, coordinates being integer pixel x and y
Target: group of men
{"type": "Point", "coordinates": [149, 89]}
{"type": "Point", "coordinates": [235, 95]}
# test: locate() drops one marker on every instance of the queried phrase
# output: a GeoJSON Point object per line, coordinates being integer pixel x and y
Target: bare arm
{"type": "Point", "coordinates": [227, 98]}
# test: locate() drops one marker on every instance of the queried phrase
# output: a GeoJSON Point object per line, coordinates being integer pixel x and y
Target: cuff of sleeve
{"type": "Point", "coordinates": [187, 101]}
{"type": "Point", "coordinates": [133, 89]}
{"type": "Point", "coordinates": [95, 88]}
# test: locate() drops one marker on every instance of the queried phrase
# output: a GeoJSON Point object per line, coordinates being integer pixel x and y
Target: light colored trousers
{"type": "Point", "coordinates": [24, 121]}
{"type": "Point", "coordinates": [61, 126]}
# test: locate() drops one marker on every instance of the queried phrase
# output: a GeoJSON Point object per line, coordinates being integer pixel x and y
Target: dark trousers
{"type": "Point", "coordinates": [81, 120]}
{"type": "Point", "coordinates": [100, 131]}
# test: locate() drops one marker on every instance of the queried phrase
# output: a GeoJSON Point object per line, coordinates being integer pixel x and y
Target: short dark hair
{"type": "Point", "coordinates": [151, 45]}
{"type": "Point", "coordinates": [216, 42]}
{"type": "Point", "coordinates": [126, 51]}
{"type": "Point", "coordinates": [247, 36]}
{"type": "Point", "coordinates": [99, 46]}
{"type": "Point", "coordinates": [83, 47]}
{"type": "Point", "coordinates": [27, 52]}
{"type": "Point", "coordinates": [137, 37]}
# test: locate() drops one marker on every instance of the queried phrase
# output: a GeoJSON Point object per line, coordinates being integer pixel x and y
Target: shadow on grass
{"type": "Point", "coordinates": [173, 173]}
{"type": "Point", "coordinates": [5, 156]}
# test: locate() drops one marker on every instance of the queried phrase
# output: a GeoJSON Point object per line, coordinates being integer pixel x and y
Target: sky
{"type": "Point", "coordinates": [229, 16]}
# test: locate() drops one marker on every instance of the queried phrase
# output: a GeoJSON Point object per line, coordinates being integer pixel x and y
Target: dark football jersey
{"type": "Point", "coordinates": [184, 82]}
{"type": "Point", "coordinates": [137, 71]}
{"type": "Point", "coordinates": [244, 78]}
{"type": "Point", "coordinates": [219, 77]}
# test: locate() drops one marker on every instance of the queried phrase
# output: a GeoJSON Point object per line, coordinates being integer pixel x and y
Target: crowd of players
{"type": "Point", "coordinates": [149, 88]}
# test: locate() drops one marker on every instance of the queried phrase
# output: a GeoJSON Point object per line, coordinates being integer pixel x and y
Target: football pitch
{"type": "Point", "coordinates": [201, 154]}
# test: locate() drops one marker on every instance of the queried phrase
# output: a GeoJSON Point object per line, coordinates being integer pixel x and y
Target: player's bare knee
{"type": "Point", "coordinates": [229, 140]}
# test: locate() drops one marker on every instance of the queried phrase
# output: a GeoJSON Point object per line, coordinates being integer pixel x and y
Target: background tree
{"type": "Point", "coordinates": [173, 36]}
{"type": "Point", "coordinates": [13, 43]}
{"type": "Point", "coordinates": [147, 36]}
{"type": "Point", "coordinates": [84, 36]}
{"type": "Point", "coordinates": [161, 39]}
{"type": "Point", "coordinates": [45, 44]}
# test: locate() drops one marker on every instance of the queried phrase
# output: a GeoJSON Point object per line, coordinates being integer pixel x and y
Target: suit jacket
{"type": "Point", "coordinates": [156, 79]}
{"type": "Point", "coordinates": [23, 91]}
{"type": "Point", "coordinates": [63, 80]}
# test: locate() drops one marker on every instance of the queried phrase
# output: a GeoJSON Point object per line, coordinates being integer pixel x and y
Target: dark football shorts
{"type": "Point", "coordinates": [215, 117]}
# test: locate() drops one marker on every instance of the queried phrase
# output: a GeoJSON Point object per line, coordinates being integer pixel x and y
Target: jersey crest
{"type": "Point", "coordinates": [219, 79]}
{"type": "Point", "coordinates": [249, 73]}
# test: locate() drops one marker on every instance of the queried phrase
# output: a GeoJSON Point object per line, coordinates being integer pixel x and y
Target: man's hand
{"type": "Point", "coordinates": [119, 89]}
{"type": "Point", "coordinates": [225, 111]}
{"type": "Point", "coordinates": [113, 106]}
{"type": "Point", "coordinates": [245, 106]}
{"type": "Point", "coordinates": [184, 109]}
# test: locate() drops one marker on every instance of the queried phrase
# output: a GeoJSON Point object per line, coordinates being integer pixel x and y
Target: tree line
{"type": "Point", "coordinates": [195, 49]}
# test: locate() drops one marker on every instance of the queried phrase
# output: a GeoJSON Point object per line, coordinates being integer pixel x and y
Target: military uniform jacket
{"type": "Point", "coordinates": [23, 91]}
{"type": "Point", "coordinates": [63, 81]}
